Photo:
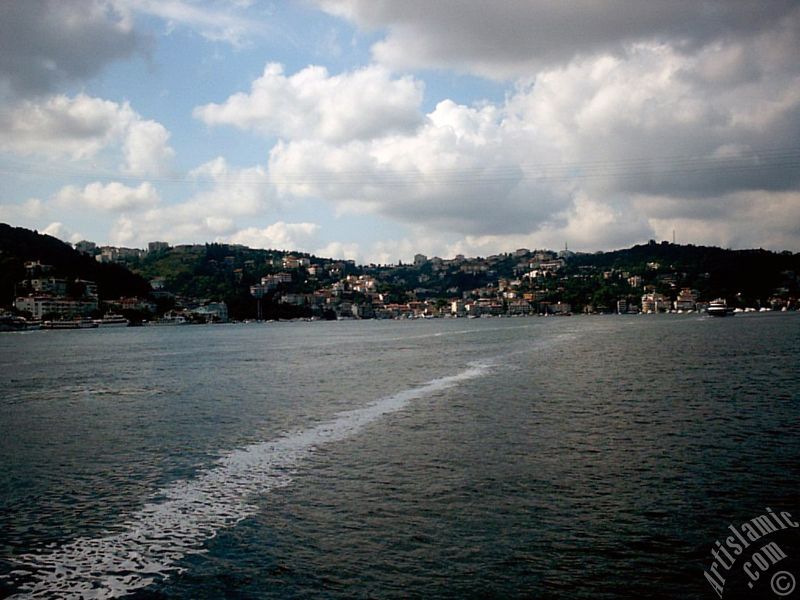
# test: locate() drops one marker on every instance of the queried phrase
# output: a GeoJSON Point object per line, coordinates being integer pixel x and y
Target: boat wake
{"type": "Point", "coordinates": [151, 542]}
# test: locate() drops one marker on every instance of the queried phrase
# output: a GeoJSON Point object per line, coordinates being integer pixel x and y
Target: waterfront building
{"type": "Point", "coordinates": [43, 305]}
{"type": "Point", "coordinates": [654, 302]}
{"type": "Point", "coordinates": [519, 307]}
{"type": "Point", "coordinates": [686, 300]}
{"type": "Point", "coordinates": [213, 312]}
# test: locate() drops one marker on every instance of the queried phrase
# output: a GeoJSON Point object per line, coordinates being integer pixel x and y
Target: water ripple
{"type": "Point", "coordinates": [153, 540]}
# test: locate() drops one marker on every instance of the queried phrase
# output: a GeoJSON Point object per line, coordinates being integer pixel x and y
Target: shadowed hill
{"type": "Point", "coordinates": [749, 274]}
{"type": "Point", "coordinates": [18, 245]}
{"type": "Point", "coordinates": [226, 272]}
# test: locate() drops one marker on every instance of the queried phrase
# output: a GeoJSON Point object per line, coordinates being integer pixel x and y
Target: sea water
{"type": "Point", "coordinates": [582, 457]}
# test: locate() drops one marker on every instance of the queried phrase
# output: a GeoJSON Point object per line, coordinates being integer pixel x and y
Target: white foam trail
{"type": "Point", "coordinates": [153, 539]}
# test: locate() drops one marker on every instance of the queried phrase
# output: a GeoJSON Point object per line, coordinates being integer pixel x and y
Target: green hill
{"type": "Point", "coordinates": [225, 272]}
{"type": "Point", "coordinates": [19, 245]}
{"type": "Point", "coordinates": [746, 277]}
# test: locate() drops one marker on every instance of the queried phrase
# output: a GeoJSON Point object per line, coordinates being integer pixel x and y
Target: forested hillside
{"type": "Point", "coordinates": [19, 245]}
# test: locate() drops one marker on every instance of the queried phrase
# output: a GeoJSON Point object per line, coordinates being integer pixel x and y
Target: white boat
{"type": "Point", "coordinates": [719, 308]}
{"type": "Point", "coordinates": [74, 324]}
{"type": "Point", "coordinates": [112, 320]}
{"type": "Point", "coordinates": [171, 319]}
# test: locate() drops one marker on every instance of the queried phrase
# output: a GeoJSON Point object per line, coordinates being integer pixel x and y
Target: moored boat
{"type": "Point", "coordinates": [171, 319]}
{"type": "Point", "coordinates": [112, 320]}
{"type": "Point", "coordinates": [72, 324]}
{"type": "Point", "coordinates": [12, 323]}
{"type": "Point", "coordinates": [719, 308]}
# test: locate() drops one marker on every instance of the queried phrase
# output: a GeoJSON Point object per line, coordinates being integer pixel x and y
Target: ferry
{"type": "Point", "coordinates": [12, 323]}
{"type": "Point", "coordinates": [171, 319]}
{"type": "Point", "coordinates": [74, 324]}
{"type": "Point", "coordinates": [112, 320]}
{"type": "Point", "coordinates": [719, 308]}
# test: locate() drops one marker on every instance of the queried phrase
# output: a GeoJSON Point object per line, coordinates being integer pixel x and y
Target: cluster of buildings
{"type": "Point", "coordinates": [196, 312]}
{"type": "Point", "coordinates": [415, 291]}
{"type": "Point", "coordinates": [520, 283]}
{"type": "Point", "coordinates": [44, 296]}
{"type": "Point", "coordinates": [48, 295]}
{"type": "Point", "coordinates": [686, 301]}
{"type": "Point", "coordinates": [110, 254]}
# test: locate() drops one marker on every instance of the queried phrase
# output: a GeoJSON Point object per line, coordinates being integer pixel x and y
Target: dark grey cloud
{"type": "Point", "coordinates": [515, 37]}
{"type": "Point", "coordinates": [47, 43]}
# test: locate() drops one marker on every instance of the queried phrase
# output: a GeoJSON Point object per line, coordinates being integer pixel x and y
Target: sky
{"type": "Point", "coordinates": [376, 129]}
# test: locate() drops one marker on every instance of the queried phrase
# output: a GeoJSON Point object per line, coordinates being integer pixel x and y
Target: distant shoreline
{"type": "Point", "coordinates": [741, 313]}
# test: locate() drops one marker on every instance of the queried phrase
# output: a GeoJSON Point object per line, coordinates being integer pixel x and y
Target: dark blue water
{"type": "Point", "coordinates": [578, 457]}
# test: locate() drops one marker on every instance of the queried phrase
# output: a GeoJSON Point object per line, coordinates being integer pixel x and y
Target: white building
{"type": "Point", "coordinates": [294, 262]}
{"type": "Point", "coordinates": [364, 284]}
{"type": "Point", "coordinates": [157, 246]}
{"type": "Point", "coordinates": [686, 300]}
{"type": "Point", "coordinates": [519, 307]}
{"type": "Point", "coordinates": [654, 303]}
{"type": "Point", "coordinates": [41, 306]}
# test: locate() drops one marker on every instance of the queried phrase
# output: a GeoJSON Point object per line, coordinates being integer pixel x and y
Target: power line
{"type": "Point", "coordinates": [760, 161]}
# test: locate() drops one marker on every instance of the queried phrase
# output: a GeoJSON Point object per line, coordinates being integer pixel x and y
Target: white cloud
{"type": "Point", "coordinates": [311, 103]}
{"type": "Point", "coordinates": [636, 118]}
{"type": "Point", "coordinates": [81, 127]}
{"type": "Point", "coordinates": [387, 252]}
{"type": "Point", "coordinates": [214, 25]}
{"type": "Point", "coordinates": [564, 158]}
{"type": "Point", "coordinates": [146, 149]}
{"type": "Point", "coordinates": [77, 127]}
{"type": "Point", "coordinates": [460, 172]}
{"type": "Point", "coordinates": [58, 230]}
{"type": "Point", "coordinates": [340, 251]}
{"type": "Point", "coordinates": [226, 196]}
{"type": "Point", "coordinates": [124, 232]}
{"type": "Point", "coordinates": [177, 224]}
{"type": "Point", "coordinates": [233, 191]}
{"type": "Point", "coordinates": [280, 236]}
{"type": "Point", "coordinates": [598, 224]}
{"type": "Point", "coordinates": [30, 210]}
{"type": "Point", "coordinates": [111, 197]}
{"type": "Point", "coordinates": [216, 169]}
{"type": "Point", "coordinates": [652, 123]}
